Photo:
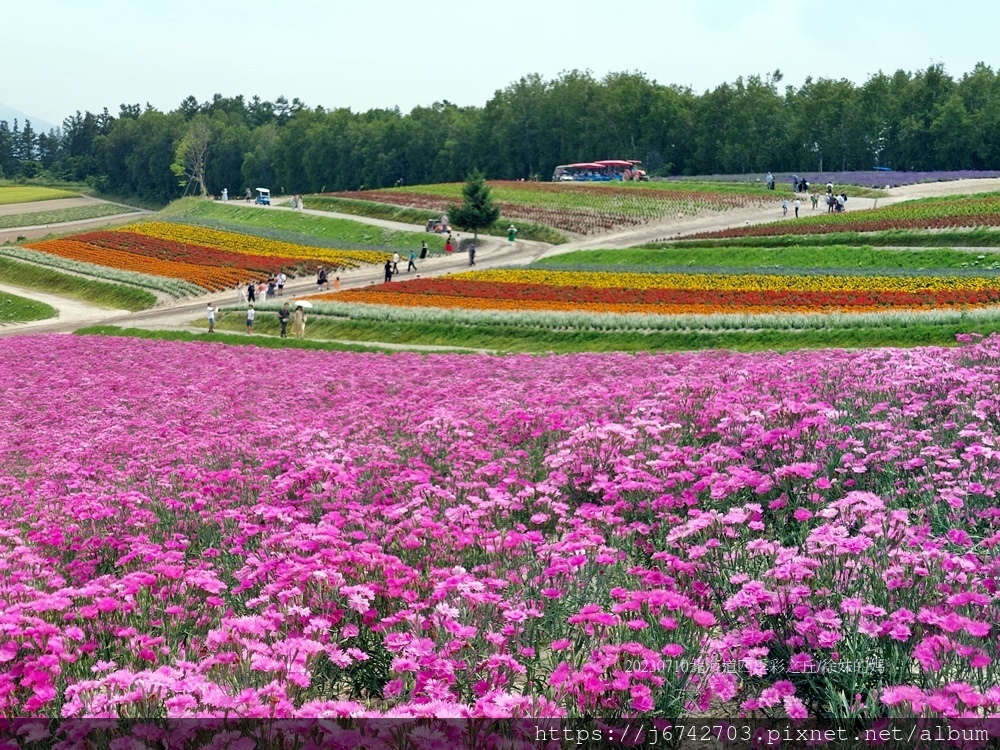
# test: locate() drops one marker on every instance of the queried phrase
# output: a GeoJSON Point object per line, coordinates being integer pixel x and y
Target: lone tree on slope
{"type": "Point", "coordinates": [189, 162]}
{"type": "Point", "coordinates": [478, 211]}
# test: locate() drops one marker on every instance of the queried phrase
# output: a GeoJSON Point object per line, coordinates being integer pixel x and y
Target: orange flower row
{"type": "Point", "coordinates": [211, 278]}
{"type": "Point", "coordinates": [376, 297]}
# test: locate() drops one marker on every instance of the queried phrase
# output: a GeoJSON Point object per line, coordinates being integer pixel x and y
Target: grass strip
{"type": "Point", "coordinates": [388, 212]}
{"type": "Point", "coordinates": [266, 342]}
{"type": "Point", "coordinates": [101, 293]}
{"type": "Point", "coordinates": [77, 213]}
{"type": "Point", "coordinates": [295, 227]}
{"type": "Point", "coordinates": [540, 340]}
{"type": "Point", "coordinates": [31, 193]}
{"type": "Point", "coordinates": [14, 309]}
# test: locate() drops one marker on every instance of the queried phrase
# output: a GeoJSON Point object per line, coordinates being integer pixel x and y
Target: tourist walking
{"type": "Point", "coordinates": [211, 318]}
{"type": "Point", "coordinates": [248, 195]}
{"type": "Point", "coordinates": [815, 200]}
{"type": "Point", "coordinates": [797, 204]}
{"type": "Point", "coordinates": [336, 283]}
{"type": "Point", "coordinates": [411, 264]}
{"type": "Point", "coordinates": [299, 323]}
{"type": "Point", "coordinates": [251, 314]}
{"type": "Point", "coordinates": [388, 271]}
{"type": "Point", "coordinates": [511, 233]}
{"type": "Point", "coordinates": [395, 262]}
{"type": "Point", "coordinates": [784, 206]}
{"type": "Point", "coordinates": [281, 283]}
{"type": "Point", "coordinates": [448, 249]}
{"type": "Point", "coordinates": [271, 286]}
{"type": "Point", "coordinates": [423, 250]}
{"type": "Point", "coordinates": [321, 278]}
{"type": "Point", "coordinates": [284, 315]}
{"type": "Point", "coordinates": [472, 253]}
{"type": "Point", "coordinates": [250, 292]}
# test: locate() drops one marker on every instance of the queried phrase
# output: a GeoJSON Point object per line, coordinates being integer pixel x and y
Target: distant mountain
{"type": "Point", "coordinates": [9, 114]}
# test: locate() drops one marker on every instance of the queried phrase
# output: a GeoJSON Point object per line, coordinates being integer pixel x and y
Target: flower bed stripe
{"type": "Point", "coordinates": [732, 282]}
{"type": "Point", "coordinates": [486, 295]}
{"type": "Point", "coordinates": [199, 255]}
{"type": "Point", "coordinates": [210, 278]}
{"type": "Point", "coordinates": [246, 244]}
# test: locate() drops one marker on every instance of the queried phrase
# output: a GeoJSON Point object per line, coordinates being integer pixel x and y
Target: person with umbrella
{"type": "Point", "coordinates": [299, 322]}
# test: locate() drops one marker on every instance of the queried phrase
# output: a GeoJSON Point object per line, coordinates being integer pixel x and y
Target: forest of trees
{"type": "Point", "coordinates": [925, 120]}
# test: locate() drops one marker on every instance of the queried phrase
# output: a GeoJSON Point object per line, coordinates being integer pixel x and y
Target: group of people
{"type": "Point", "coordinates": [285, 315]}
{"type": "Point", "coordinates": [274, 286]}
{"type": "Point", "coordinates": [323, 280]}
{"type": "Point", "coordinates": [391, 267]}
{"type": "Point", "coordinates": [799, 184]}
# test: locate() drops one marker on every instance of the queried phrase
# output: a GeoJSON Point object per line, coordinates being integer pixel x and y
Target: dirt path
{"type": "Point", "coordinates": [57, 204]}
{"type": "Point", "coordinates": [70, 312]}
{"type": "Point", "coordinates": [41, 230]}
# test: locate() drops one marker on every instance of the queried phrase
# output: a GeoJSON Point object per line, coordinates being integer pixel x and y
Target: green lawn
{"type": "Point", "coordinates": [77, 213]}
{"type": "Point", "coordinates": [767, 258]}
{"type": "Point", "coordinates": [31, 193]}
{"type": "Point", "coordinates": [298, 228]}
{"type": "Point", "coordinates": [15, 309]}
{"type": "Point", "coordinates": [267, 342]}
{"type": "Point", "coordinates": [101, 293]}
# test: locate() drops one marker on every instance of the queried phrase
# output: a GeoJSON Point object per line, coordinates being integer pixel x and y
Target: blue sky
{"type": "Point", "coordinates": [64, 55]}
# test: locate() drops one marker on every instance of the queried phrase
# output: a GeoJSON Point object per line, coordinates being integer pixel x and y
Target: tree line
{"type": "Point", "coordinates": [924, 120]}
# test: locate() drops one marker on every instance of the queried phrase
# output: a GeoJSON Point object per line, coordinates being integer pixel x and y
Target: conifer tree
{"type": "Point", "coordinates": [478, 211]}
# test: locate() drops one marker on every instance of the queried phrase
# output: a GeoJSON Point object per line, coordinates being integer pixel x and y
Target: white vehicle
{"type": "Point", "coordinates": [263, 197]}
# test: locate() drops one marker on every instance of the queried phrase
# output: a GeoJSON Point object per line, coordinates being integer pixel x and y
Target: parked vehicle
{"type": "Point", "coordinates": [263, 197]}
{"type": "Point", "coordinates": [600, 171]}
{"type": "Point", "coordinates": [438, 226]}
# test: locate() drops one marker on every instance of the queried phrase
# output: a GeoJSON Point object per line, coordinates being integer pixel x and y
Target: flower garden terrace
{"type": "Point", "coordinates": [960, 212]}
{"type": "Point", "coordinates": [205, 258]}
{"type": "Point", "coordinates": [466, 535]}
{"type": "Point", "coordinates": [580, 209]}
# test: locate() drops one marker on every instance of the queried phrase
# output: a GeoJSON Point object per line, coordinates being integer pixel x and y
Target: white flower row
{"type": "Point", "coordinates": [644, 322]}
{"type": "Point", "coordinates": [172, 287]}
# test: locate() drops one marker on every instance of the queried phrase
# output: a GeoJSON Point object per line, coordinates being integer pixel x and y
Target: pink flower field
{"type": "Point", "coordinates": [195, 530]}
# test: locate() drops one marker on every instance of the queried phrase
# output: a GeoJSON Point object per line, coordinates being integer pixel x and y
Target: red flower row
{"type": "Point", "coordinates": [154, 247]}
{"type": "Point", "coordinates": [715, 297]}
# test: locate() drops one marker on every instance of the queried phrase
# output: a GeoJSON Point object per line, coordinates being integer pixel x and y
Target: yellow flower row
{"type": "Point", "coordinates": [246, 244]}
{"type": "Point", "coordinates": [731, 282]}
